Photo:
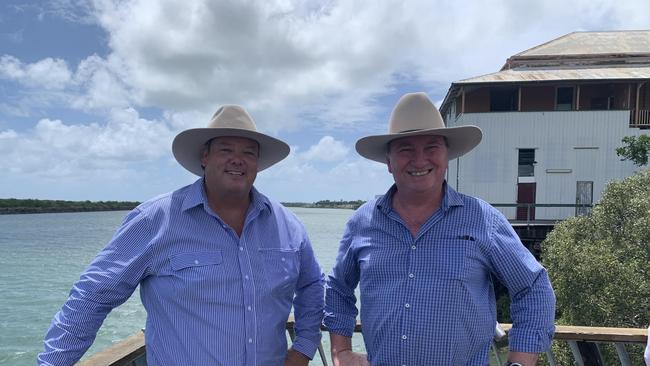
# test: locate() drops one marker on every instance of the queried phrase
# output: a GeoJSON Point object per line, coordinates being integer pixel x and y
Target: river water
{"type": "Point", "coordinates": [42, 255]}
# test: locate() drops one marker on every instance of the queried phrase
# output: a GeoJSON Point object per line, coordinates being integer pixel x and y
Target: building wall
{"type": "Point", "coordinates": [570, 146]}
{"type": "Point", "coordinates": [538, 98]}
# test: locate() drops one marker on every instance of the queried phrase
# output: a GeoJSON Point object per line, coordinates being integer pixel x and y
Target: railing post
{"type": "Point", "coordinates": [496, 353]}
{"type": "Point", "coordinates": [550, 357]}
{"type": "Point", "coordinates": [622, 354]}
{"type": "Point", "coordinates": [576, 353]}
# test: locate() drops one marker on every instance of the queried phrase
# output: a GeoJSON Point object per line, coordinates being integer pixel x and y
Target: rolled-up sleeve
{"type": "Point", "coordinates": [340, 300]}
{"type": "Point", "coordinates": [532, 307]}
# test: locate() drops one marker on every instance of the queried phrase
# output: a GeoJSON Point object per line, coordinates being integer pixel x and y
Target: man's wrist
{"type": "Point", "coordinates": [512, 364]}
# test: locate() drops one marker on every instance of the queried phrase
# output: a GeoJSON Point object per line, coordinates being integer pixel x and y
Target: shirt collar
{"type": "Point", "coordinates": [451, 198]}
{"type": "Point", "coordinates": [196, 196]}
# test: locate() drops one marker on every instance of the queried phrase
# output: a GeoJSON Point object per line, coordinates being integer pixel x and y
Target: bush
{"type": "Point", "coordinates": [600, 264]}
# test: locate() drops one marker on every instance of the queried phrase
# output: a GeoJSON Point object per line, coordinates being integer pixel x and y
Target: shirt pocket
{"type": "Point", "coordinates": [196, 276]}
{"type": "Point", "coordinates": [195, 259]}
{"type": "Point", "coordinates": [281, 269]}
{"type": "Point", "coordinates": [452, 259]}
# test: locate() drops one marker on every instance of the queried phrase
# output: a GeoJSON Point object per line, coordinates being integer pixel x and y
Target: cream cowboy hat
{"type": "Point", "coordinates": [415, 115]}
{"type": "Point", "coordinates": [231, 121]}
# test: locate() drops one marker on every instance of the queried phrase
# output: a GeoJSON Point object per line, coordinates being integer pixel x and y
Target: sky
{"type": "Point", "coordinates": [92, 92]}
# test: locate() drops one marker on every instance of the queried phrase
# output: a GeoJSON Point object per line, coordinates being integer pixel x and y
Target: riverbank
{"type": "Point", "coordinates": [10, 206]}
{"type": "Point", "coordinates": [30, 206]}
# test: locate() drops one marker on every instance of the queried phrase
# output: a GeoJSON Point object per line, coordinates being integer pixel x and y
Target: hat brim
{"type": "Point", "coordinates": [461, 140]}
{"type": "Point", "coordinates": [188, 147]}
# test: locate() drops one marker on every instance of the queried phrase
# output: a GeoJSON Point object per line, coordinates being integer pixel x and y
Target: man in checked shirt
{"type": "Point", "coordinates": [218, 263]}
{"type": "Point", "coordinates": [423, 256]}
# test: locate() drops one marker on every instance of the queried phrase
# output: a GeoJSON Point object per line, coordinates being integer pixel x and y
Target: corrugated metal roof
{"type": "Point", "coordinates": [525, 74]}
{"type": "Point", "coordinates": [593, 43]}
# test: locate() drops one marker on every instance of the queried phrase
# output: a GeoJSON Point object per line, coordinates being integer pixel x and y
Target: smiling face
{"type": "Point", "coordinates": [418, 163]}
{"type": "Point", "coordinates": [230, 165]}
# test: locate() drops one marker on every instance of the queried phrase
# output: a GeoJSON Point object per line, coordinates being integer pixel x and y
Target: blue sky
{"type": "Point", "coordinates": [93, 92]}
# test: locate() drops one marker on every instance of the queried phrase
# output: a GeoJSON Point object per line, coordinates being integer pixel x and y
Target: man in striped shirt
{"type": "Point", "coordinates": [424, 255]}
{"type": "Point", "coordinates": [219, 264]}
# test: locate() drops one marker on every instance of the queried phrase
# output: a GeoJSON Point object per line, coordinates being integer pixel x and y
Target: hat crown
{"type": "Point", "coordinates": [413, 112]}
{"type": "Point", "coordinates": [232, 116]}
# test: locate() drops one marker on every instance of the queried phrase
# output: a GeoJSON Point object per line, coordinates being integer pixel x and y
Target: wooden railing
{"type": "Point", "coordinates": [131, 351]}
{"type": "Point", "coordinates": [642, 119]}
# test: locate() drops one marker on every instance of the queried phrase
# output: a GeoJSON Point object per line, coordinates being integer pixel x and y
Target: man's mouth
{"type": "Point", "coordinates": [418, 173]}
{"type": "Point", "coordinates": [232, 172]}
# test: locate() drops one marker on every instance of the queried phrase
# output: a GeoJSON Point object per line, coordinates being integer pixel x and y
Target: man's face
{"type": "Point", "coordinates": [231, 164]}
{"type": "Point", "coordinates": [418, 163]}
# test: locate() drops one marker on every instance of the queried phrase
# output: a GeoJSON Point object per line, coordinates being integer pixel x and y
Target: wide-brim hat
{"type": "Point", "coordinates": [228, 121]}
{"type": "Point", "coordinates": [416, 115]}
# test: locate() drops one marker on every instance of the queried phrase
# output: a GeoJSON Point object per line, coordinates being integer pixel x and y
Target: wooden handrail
{"type": "Point", "coordinates": [132, 348]}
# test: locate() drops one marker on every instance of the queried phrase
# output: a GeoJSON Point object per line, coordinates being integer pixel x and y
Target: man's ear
{"type": "Point", "coordinates": [204, 158]}
{"type": "Point", "coordinates": [388, 165]}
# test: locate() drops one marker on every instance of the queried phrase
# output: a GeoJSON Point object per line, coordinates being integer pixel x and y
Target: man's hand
{"type": "Point", "coordinates": [349, 358]}
{"type": "Point", "coordinates": [525, 359]}
{"type": "Point", "coordinates": [295, 358]}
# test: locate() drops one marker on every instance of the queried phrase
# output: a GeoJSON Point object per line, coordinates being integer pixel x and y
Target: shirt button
{"type": "Point", "coordinates": [283, 259]}
{"type": "Point", "coordinates": [246, 277]}
{"type": "Point", "coordinates": [404, 336]}
{"type": "Point", "coordinates": [196, 261]}
{"type": "Point", "coordinates": [250, 308]}
{"type": "Point", "coordinates": [241, 249]}
{"type": "Point", "coordinates": [413, 247]}
{"type": "Point", "coordinates": [411, 275]}
{"type": "Point", "coordinates": [407, 305]}
{"type": "Point", "coordinates": [250, 340]}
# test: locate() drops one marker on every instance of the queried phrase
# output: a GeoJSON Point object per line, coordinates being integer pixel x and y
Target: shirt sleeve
{"type": "Point", "coordinates": [108, 282]}
{"type": "Point", "coordinates": [340, 300]}
{"type": "Point", "coordinates": [532, 300]}
{"type": "Point", "coordinates": [308, 302]}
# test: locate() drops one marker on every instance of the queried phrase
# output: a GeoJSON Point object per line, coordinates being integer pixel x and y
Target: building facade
{"type": "Point", "coordinates": [552, 119]}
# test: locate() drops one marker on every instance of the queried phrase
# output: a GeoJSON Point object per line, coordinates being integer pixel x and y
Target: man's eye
{"type": "Point", "coordinates": [225, 149]}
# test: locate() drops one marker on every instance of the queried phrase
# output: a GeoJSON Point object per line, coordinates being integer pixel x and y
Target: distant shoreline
{"type": "Point", "coordinates": [13, 206]}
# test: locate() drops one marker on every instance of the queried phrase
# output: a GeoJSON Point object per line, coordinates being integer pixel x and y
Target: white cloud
{"type": "Point", "coordinates": [55, 149]}
{"type": "Point", "coordinates": [48, 73]}
{"type": "Point", "coordinates": [327, 149]}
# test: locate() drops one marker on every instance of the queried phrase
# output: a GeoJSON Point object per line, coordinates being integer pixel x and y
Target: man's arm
{"type": "Point", "coordinates": [342, 354]}
{"type": "Point", "coordinates": [532, 307]}
{"type": "Point", "coordinates": [340, 301]}
{"type": "Point", "coordinates": [107, 282]}
{"type": "Point", "coordinates": [308, 303]}
{"type": "Point", "coordinates": [525, 359]}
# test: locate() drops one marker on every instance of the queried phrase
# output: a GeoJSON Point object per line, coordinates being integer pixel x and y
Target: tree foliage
{"type": "Point", "coordinates": [15, 206]}
{"type": "Point", "coordinates": [600, 264]}
{"type": "Point", "coordinates": [636, 149]}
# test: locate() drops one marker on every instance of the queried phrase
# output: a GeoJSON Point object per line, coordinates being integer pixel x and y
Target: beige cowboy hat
{"type": "Point", "coordinates": [230, 121]}
{"type": "Point", "coordinates": [415, 115]}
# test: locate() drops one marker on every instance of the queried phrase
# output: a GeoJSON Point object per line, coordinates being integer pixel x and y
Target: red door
{"type": "Point", "coordinates": [526, 194]}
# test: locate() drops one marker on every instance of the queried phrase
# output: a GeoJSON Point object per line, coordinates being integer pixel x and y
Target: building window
{"type": "Point", "coordinates": [584, 197]}
{"type": "Point", "coordinates": [503, 99]}
{"type": "Point", "coordinates": [527, 162]}
{"type": "Point", "coordinates": [564, 99]}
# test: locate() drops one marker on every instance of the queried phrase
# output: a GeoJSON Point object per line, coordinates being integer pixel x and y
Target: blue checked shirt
{"type": "Point", "coordinates": [212, 298]}
{"type": "Point", "coordinates": [429, 300]}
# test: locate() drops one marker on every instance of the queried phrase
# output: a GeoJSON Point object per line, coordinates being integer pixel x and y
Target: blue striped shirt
{"type": "Point", "coordinates": [429, 299]}
{"type": "Point", "coordinates": [212, 298]}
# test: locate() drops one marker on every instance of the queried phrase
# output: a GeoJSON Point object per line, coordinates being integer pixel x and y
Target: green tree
{"type": "Point", "coordinates": [600, 264]}
{"type": "Point", "coordinates": [636, 149]}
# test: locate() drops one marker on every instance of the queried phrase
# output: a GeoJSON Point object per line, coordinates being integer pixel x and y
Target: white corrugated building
{"type": "Point", "coordinates": [552, 118]}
